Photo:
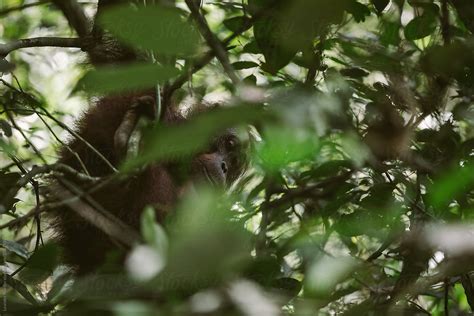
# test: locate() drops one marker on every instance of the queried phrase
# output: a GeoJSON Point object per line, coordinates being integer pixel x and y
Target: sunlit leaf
{"type": "Point", "coordinates": [420, 26]}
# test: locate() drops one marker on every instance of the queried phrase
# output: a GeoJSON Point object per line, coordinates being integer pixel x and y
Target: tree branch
{"type": "Point", "coordinates": [204, 60]}
{"type": "Point", "coordinates": [7, 48]}
{"type": "Point", "coordinates": [213, 42]}
{"type": "Point", "coordinates": [103, 220]}
{"type": "Point", "coordinates": [75, 16]}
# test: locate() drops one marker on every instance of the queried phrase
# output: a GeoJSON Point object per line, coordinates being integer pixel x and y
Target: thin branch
{"type": "Point", "coordinates": [65, 145]}
{"type": "Point", "coordinates": [103, 220]}
{"type": "Point", "coordinates": [204, 60]}
{"type": "Point", "coordinates": [214, 43]}
{"type": "Point", "coordinates": [468, 289]}
{"type": "Point", "coordinates": [75, 15]}
{"type": "Point", "coordinates": [67, 128]}
{"type": "Point", "coordinates": [446, 296]}
{"type": "Point", "coordinates": [445, 27]}
{"type": "Point", "coordinates": [7, 48]}
{"type": "Point", "coordinates": [45, 169]}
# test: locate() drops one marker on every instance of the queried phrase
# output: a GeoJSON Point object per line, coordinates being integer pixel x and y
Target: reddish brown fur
{"type": "Point", "coordinates": [159, 185]}
{"type": "Point", "coordinates": [85, 247]}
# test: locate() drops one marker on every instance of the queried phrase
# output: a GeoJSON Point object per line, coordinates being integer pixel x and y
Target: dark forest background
{"type": "Point", "coordinates": [359, 196]}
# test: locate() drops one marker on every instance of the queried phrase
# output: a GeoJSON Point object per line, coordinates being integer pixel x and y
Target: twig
{"type": "Point", "coordinates": [468, 289]}
{"type": "Point", "coordinates": [446, 296]}
{"type": "Point", "coordinates": [103, 220]}
{"type": "Point", "coordinates": [65, 127]}
{"type": "Point", "coordinates": [204, 60]}
{"type": "Point", "coordinates": [213, 42]}
{"type": "Point", "coordinates": [7, 48]}
{"type": "Point", "coordinates": [37, 170]}
{"type": "Point", "coordinates": [79, 137]}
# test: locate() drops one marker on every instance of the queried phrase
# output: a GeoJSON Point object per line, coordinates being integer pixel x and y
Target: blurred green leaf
{"type": "Point", "coordinates": [126, 78]}
{"type": "Point", "coordinates": [324, 274]}
{"type": "Point", "coordinates": [157, 28]}
{"type": "Point", "coordinates": [244, 65]}
{"type": "Point", "coordinates": [380, 5]}
{"type": "Point", "coordinates": [390, 33]}
{"type": "Point", "coordinates": [453, 183]}
{"type": "Point", "coordinates": [191, 136]}
{"type": "Point", "coordinates": [236, 24]}
{"type": "Point", "coordinates": [153, 233]}
{"type": "Point", "coordinates": [288, 286]}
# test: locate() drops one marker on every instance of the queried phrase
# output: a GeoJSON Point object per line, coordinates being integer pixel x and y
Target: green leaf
{"type": "Point", "coordinates": [251, 48]}
{"type": "Point", "coordinates": [188, 138]}
{"type": "Point", "coordinates": [358, 10]}
{"type": "Point", "coordinates": [354, 72]}
{"type": "Point", "coordinates": [292, 26]}
{"type": "Point", "coordinates": [41, 264]}
{"type": "Point", "coordinates": [153, 233]}
{"type": "Point", "coordinates": [451, 185]}
{"type": "Point", "coordinates": [288, 286]}
{"type": "Point", "coordinates": [15, 247]}
{"type": "Point", "coordinates": [244, 65]}
{"type": "Point", "coordinates": [20, 288]}
{"type": "Point", "coordinates": [267, 35]}
{"type": "Point", "coordinates": [6, 66]}
{"type": "Point", "coordinates": [380, 5]}
{"type": "Point", "coordinates": [328, 169]}
{"type": "Point", "coordinates": [157, 28]}
{"type": "Point", "coordinates": [126, 78]}
{"type": "Point", "coordinates": [420, 26]}
{"type": "Point", "coordinates": [6, 128]}
{"type": "Point", "coordinates": [236, 24]}
{"type": "Point", "coordinates": [252, 80]}
{"type": "Point", "coordinates": [390, 33]}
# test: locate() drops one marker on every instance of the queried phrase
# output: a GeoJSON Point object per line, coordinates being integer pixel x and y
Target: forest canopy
{"type": "Point", "coordinates": [358, 117]}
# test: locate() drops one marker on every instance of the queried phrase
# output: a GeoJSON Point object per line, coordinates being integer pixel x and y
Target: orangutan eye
{"type": "Point", "coordinates": [231, 144]}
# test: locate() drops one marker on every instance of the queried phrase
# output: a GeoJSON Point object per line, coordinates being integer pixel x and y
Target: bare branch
{"type": "Point", "coordinates": [444, 18]}
{"type": "Point", "coordinates": [213, 42]}
{"type": "Point", "coordinates": [103, 220]}
{"type": "Point", "coordinates": [204, 60]}
{"type": "Point", "coordinates": [7, 48]}
{"type": "Point", "coordinates": [38, 170]}
{"type": "Point", "coordinates": [75, 15]}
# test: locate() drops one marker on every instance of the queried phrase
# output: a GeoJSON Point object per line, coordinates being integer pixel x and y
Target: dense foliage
{"type": "Point", "coordinates": [358, 199]}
